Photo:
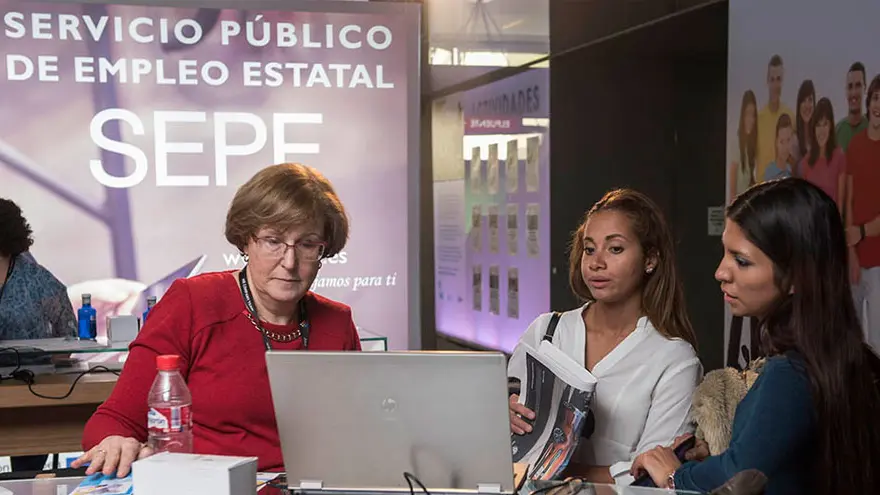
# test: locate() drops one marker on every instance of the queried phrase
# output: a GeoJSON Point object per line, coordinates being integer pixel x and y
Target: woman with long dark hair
{"type": "Point", "coordinates": [808, 422]}
{"type": "Point", "coordinates": [806, 103]}
{"type": "Point", "coordinates": [825, 164]}
{"type": "Point", "coordinates": [741, 177]}
{"type": "Point", "coordinates": [742, 169]}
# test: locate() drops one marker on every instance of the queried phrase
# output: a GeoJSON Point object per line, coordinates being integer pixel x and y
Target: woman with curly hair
{"type": "Point", "coordinates": [33, 303]}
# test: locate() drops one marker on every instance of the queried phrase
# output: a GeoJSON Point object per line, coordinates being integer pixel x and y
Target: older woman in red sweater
{"type": "Point", "coordinates": [285, 219]}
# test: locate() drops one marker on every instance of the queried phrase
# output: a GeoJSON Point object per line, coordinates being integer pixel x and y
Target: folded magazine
{"type": "Point", "coordinates": [100, 484]}
{"type": "Point", "coordinates": [560, 391]}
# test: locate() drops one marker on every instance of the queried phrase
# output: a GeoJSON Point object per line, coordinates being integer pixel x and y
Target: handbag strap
{"type": "Point", "coordinates": [590, 421]}
{"type": "Point", "coordinates": [551, 327]}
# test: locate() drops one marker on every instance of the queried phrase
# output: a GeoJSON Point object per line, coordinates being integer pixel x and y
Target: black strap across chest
{"type": "Point", "coordinates": [248, 297]}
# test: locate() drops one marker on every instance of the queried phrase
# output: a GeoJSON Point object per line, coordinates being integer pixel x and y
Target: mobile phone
{"type": "Point", "coordinates": [683, 448]}
{"type": "Point", "coordinates": [680, 451]}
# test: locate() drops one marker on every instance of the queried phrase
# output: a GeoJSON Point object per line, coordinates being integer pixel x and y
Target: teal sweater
{"type": "Point", "coordinates": [774, 431]}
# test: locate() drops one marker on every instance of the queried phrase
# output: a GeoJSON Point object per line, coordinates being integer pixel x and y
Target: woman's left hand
{"type": "Point", "coordinates": [659, 462]}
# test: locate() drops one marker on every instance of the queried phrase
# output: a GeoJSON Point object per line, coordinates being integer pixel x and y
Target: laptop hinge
{"type": "Point", "coordinates": [311, 485]}
{"type": "Point", "coordinates": [493, 488]}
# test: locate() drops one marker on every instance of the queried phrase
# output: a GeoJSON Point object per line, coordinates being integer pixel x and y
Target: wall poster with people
{"type": "Point", "coordinates": [127, 129]}
{"type": "Point", "coordinates": [804, 101]}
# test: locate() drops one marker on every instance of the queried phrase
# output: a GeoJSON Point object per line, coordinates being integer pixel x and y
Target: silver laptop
{"type": "Point", "coordinates": [352, 421]}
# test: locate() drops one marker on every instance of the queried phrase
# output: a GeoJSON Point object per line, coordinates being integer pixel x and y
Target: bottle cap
{"type": "Point", "coordinates": [87, 299]}
{"type": "Point", "coordinates": [168, 362]}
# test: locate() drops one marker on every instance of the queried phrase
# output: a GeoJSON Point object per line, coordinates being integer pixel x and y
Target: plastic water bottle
{"type": "Point", "coordinates": [151, 301]}
{"type": "Point", "coordinates": [87, 319]}
{"type": "Point", "coordinates": [169, 420]}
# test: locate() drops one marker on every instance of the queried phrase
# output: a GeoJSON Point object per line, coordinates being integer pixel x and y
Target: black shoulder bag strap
{"type": "Point", "coordinates": [551, 327]}
{"type": "Point", "coordinates": [513, 385]}
{"type": "Point", "coordinates": [590, 424]}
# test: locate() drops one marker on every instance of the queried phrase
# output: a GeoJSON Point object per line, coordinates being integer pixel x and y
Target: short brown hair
{"type": "Point", "coordinates": [872, 88]}
{"type": "Point", "coordinates": [282, 197]}
{"type": "Point", "coordinates": [663, 295]}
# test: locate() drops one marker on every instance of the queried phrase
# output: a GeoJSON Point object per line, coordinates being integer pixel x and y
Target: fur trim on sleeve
{"type": "Point", "coordinates": [716, 400]}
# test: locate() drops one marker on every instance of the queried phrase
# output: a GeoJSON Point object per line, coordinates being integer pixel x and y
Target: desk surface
{"type": "Point", "coordinates": [34, 425]}
{"type": "Point", "coordinates": [65, 345]}
{"type": "Point", "coordinates": [65, 486]}
{"type": "Point", "coordinates": [50, 486]}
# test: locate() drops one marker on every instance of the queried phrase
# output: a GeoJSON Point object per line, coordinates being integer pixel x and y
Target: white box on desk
{"type": "Point", "coordinates": [194, 474]}
{"type": "Point", "coordinates": [123, 328]}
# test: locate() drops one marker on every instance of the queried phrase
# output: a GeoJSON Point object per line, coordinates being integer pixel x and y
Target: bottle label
{"type": "Point", "coordinates": [174, 419]}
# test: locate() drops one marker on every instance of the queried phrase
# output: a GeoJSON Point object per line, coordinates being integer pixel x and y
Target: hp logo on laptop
{"type": "Point", "coordinates": [389, 405]}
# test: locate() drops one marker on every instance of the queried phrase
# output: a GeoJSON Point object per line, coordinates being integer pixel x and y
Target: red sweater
{"type": "Point", "coordinates": [202, 319]}
{"type": "Point", "coordinates": [862, 160]}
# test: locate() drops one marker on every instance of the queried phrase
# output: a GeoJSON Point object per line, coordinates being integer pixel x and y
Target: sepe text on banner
{"type": "Point", "coordinates": [128, 129]}
{"type": "Point", "coordinates": [221, 152]}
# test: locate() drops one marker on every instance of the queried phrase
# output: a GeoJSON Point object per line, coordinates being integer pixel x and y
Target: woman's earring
{"type": "Point", "coordinates": [649, 270]}
{"type": "Point", "coordinates": [244, 256]}
{"type": "Point", "coordinates": [320, 264]}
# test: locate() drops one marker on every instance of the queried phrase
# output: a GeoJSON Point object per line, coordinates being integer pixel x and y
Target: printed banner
{"type": "Point", "coordinates": [126, 131]}
{"type": "Point", "coordinates": [804, 100]}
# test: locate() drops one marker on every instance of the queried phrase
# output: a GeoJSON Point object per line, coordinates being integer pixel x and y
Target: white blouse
{"type": "Point", "coordinates": [643, 395]}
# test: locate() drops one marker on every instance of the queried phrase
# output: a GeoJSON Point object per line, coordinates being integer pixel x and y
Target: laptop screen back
{"type": "Point", "coordinates": [360, 420]}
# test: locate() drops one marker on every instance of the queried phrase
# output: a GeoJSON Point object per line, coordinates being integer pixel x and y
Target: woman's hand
{"type": "Point", "coordinates": [518, 411]}
{"type": "Point", "coordinates": [698, 452]}
{"type": "Point", "coordinates": [114, 454]}
{"type": "Point", "coordinates": [659, 462]}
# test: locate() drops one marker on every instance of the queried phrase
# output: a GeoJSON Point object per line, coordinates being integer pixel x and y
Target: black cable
{"type": "Point", "coordinates": [281, 487]}
{"type": "Point", "coordinates": [547, 488]}
{"type": "Point", "coordinates": [27, 376]}
{"type": "Point", "coordinates": [17, 363]}
{"type": "Point", "coordinates": [30, 383]}
{"type": "Point", "coordinates": [410, 479]}
{"type": "Point", "coordinates": [279, 483]}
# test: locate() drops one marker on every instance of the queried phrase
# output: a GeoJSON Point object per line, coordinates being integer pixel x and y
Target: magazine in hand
{"type": "Point", "coordinates": [559, 391]}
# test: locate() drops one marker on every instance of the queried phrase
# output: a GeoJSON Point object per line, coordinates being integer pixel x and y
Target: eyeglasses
{"type": "Point", "coordinates": [305, 250]}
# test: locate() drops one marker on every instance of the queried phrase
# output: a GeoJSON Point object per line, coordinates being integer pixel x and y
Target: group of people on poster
{"type": "Point", "coordinates": [837, 151]}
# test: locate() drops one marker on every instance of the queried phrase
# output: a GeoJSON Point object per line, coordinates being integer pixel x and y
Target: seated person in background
{"type": "Point", "coordinates": [808, 423]}
{"type": "Point", "coordinates": [285, 220]}
{"type": "Point", "coordinates": [633, 334]}
{"type": "Point", "coordinates": [33, 303]}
